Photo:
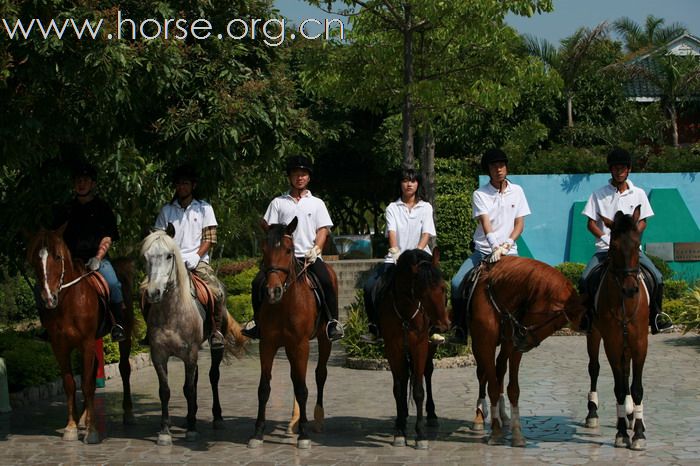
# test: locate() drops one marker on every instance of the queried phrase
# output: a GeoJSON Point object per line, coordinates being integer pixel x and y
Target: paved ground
{"type": "Point", "coordinates": [360, 410]}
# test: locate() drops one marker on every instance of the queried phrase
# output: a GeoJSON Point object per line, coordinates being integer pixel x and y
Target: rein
{"type": "Point", "coordinates": [289, 280]}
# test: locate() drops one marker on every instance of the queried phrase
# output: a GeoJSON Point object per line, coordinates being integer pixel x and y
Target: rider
{"type": "Point", "coordinates": [91, 227]}
{"type": "Point", "coordinates": [409, 225]}
{"type": "Point", "coordinates": [619, 194]}
{"type": "Point", "coordinates": [195, 233]}
{"type": "Point", "coordinates": [500, 208]}
{"type": "Point", "coordinates": [310, 236]}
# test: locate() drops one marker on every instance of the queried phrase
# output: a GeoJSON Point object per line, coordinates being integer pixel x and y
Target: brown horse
{"type": "Point", "coordinates": [621, 320]}
{"type": "Point", "coordinates": [289, 318]}
{"type": "Point", "coordinates": [414, 302]}
{"type": "Point", "coordinates": [71, 314]}
{"type": "Point", "coordinates": [517, 303]}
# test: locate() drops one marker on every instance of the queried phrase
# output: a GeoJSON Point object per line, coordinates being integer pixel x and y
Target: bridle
{"type": "Point", "coordinates": [289, 277]}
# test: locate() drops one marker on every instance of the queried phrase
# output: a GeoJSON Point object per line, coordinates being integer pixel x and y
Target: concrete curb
{"type": "Point", "coordinates": [383, 364]}
{"type": "Point", "coordinates": [48, 390]}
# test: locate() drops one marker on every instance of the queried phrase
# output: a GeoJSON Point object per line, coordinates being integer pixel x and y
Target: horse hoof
{"type": "Point", "coordinates": [432, 422]}
{"type": "Point", "coordinates": [92, 437]}
{"type": "Point", "coordinates": [192, 436]}
{"type": "Point", "coordinates": [478, 426]}
{"type": "Point", "coordinates": [70, 434]}
{"type": "Point", "coordinates": [254, 443]}
{"type": "Point", "coordinates": [421, 444]}
{"type": "Point", "coordinates": [592, 422]}
{"type": "Point", "coordinates": [164, 440]}
{"type": "Point", "coordinates": [638, 444]}
{"type": "Point", "coordinates": [517, 441]}
{"type": "Point", "coordinates": [304, 444]}
{"type": "Point", "coordinates": [218, 424]}
{"type": "Point", "coordinates": [495, 440]}
{"type": "Point", "coordinates": [399, 441]}
{"type": "Point", "coordinates": [622, 442]}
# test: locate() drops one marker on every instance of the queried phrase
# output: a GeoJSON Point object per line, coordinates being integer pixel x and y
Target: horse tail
{"type": "Point", "coordinates": [235, 340]}
{"type": "Point", "coordinates": [125, 270]}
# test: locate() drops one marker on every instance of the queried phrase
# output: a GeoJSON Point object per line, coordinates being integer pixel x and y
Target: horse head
{"type": "Point", "coordinates": [427, 284]}
{"type": "Point", "coordinates": [49, 256]}
{"type": "Point", "coordinates": [164, 265]}
{"type": "Point", "coordinates": [278, 258]}
{"type": "Point", "coordinates": [625, 239]}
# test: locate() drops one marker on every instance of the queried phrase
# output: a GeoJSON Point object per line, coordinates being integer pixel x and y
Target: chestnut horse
{"type": "Point", "coordinates": [289, 318]}
{"type": "Point", "coordinates": [71, 315]}
{"type": "Point", "coordinates": [517, 303]}
{"type": "Point", "coordinates": [414, 301]}
{"type": "Point", "coordinates": [621, 320]}
{"type": "Point", "coordinates": [177, 328]}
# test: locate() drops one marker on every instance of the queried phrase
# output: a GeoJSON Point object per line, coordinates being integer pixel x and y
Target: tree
{"type": "Point", "coordinates": [652, 34]}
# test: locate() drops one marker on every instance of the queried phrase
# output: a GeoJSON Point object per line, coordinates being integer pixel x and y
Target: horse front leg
{"type": "Point", "coordinates": [298, 361]}
{"type": "Point", "coordinates": [432, 419]}
{"type": "Point", "coordinates": [324, 353]}
{"type": "Point", "coordinates": [593, 348]}
{"type": "Point", "coordinates": [217, 355]}
{"type": "Point", "coordinates": [638, 439]}
{"type": "Point", "coordinates": [160, 365]}
{"type": "Point", "coordinates": [419, 394]}
{"type": "Point", "coordinates": [267, 356]}
{"type": "Point", "coordinates": [501, 369]}
{"type": "Point", "coordinates": [400, 376]}
{"type": "Point", "coordinates": [486, 359]}
{"type": "Point", "coordinates": [70, 432]}
{"type": "Point", "coordinates": [622, 439]}
{"type": "Point", "coordinates": [88, 387]}
{"type": "Point", "coordinates": [514, 395]}
{"type": "Point", "coordinates": [125, 373]}
{"type": "Point", "coordinates": [189, 389]}
{"type": "Point", "coordinates": [481, 405]}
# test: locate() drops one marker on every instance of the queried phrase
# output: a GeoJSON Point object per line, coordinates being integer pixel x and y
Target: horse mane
{"type": "Point", "coordinates": [160, 239]}
{"type": "Point", "coordinates": [53, 242]}
{"type": "Point", "coordinates": [431, 276]}
{"type": "Point", "coordinates": [275, 234]}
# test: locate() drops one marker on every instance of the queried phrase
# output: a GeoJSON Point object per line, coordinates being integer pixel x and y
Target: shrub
{"type": "Point", "coordinates": [240, 307]}
{"type": "Point", "coordinates": [28, 362]}
{"type": "Point", "coordinates": [572, 271]}
{"type": "Point", "coordinates": [16, 300]}
{"type": "Point", "coordinates": [675, 289]}
{"type": "Point", "coordinates": [666, 271]}
{"type": "Point", "coordinates": [239, 283]}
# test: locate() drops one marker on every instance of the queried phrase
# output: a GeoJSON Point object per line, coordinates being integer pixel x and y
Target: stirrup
{"type": "Point", "coordinates": [117, 333]}
{"type": "Point", "coordinates": [664, 325]}
{"type": "Point", "coordinates": [251, 331]}
{"type": "Point", "coordinates": [371, 339]}
{"type": "Point", "coordinates": [216, 340]}
{"type": "Point", "coordinates": [437, 339]}
{"type": "Point", "coordinates": [337, 332]}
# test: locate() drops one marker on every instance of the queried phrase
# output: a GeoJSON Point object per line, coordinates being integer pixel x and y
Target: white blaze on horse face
{"type": "Point", "coordinates": [49, 301]}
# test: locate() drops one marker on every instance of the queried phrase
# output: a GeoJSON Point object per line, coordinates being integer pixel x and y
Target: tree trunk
{"type": "Point", "coordinates": [427, 165]}
{"type": "Point", "coordinates": [407, 113]}
{"type": "Point", "coordinates": [570, 110]}
{"type": "Point", "coordinates": [673, 115]}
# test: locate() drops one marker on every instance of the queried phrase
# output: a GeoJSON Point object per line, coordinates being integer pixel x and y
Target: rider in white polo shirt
{"type": "Point", "coordinates": [310, 236]}
{"type": "Point", "coordinates": [620, 194]}
{"type": "Point", "coordinates": [500, 208]}
{"type": "Point", "coordinates": [195, 233]}
{"type": "Point", "coordinates": [409, 225]}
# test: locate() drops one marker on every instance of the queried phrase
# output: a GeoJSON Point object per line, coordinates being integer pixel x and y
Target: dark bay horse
{"type": "Point", "coordinates": [621, 320]}
{"type": "Point", "coordinates": [517, 303]}
{"type": "Point", "coordinates": [71, 314]}
{"type": "Point", "coordinates": [413, 302]}
{"type": "Point", "coordinates": [289, 318]}
{"type": "Point", "coordinates": [176, 328]}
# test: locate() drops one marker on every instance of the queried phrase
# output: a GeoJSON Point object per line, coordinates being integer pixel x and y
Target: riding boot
{"type": "Point", "coordinates": [372, 336]}
{"type": "Point", "coordinates": [216, 339]}
{"type": "Point", "coordinates": [334, 329]}
{"type": "Point", "coordinates": [117, 311]}
{"type": "Point", "coordinates": [253, 331]}
{"type": "Point", "coordinates": [658, 320]}
{"type": "Point", "coordinates": [459, 323]}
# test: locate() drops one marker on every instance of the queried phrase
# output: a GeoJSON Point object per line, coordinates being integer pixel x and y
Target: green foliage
{"type": "Point", "coordinates": [16, 300]}
{"type": "Point", "coordinates": [689, 313]}
{"type": "Point", "coordinates": [572, 271]}
{"type": "Point", "coordinates": [28, 362]}
{"type": "Point", "coordinates": [240, 307]}
{"type": "Point", "coordinates": [239, 283]}
{"type": "Point", "coordinates": [111, 349]}
{"type": "Point", "coordinates": [662, 266]}
{"type": "Point", "coordinates": [675, 289]}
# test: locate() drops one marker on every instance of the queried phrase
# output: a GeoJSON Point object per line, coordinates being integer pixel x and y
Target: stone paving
{"type": "Point", "coordinates": [360, 410]}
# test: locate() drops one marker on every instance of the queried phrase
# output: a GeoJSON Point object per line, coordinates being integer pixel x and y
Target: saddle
{"type": "Point", "coordinates": [203, 295]}
{"type": "Point", "coordinates": [466, 288]}
{"type": "Point", "coordinates": [595, 277]}
{"type": "Point", "coordinates": [99, 284]}
{"type": "Point", "coordinates": [381, 286]}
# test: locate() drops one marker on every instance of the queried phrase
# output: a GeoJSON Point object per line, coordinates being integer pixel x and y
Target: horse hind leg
{"type": "Point", "coordinates": [214, 376]}
{"type": "Point", "coordinates": [267, 356]}
{"type": "Point", "coordinates": [418, 398]}
{"type": "Point", "coordinates": [324, 353]}
{"type": "Point", "coordinates": [293, 426]}
{"type": "Point", "coordinates": [125, 373]}
{"type": "Point", "coordinates": [92, 436]}
{"type": "Point", "coordinates": [431, 416]}
{"type": "Point", "coordinates": [501, 369]}
{"type": "Point", "coordinates": [593, 348]}
{"type": "Point", "coordinates": [638, 439]}
{"type": "Point", "coordinates": [190, 391]}
{"type": "Point", "coordinates": [517, 439]}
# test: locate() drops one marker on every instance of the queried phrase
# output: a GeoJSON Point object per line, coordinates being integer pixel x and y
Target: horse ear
{"type": "Point", "coordinates": [637, 212]}
{"type": "Point", "coordinates": [170, 230]}
{"type": "Point", "coordinates": [292, 226]}
{"type": "Point", "coordinates": [436, 256]}
{"type": "Point", "coordinates": [264, 225]}
{"type": "Point", "coordinates": [606, 221]}
{"type": "Point", "coordinates": [61, 229]}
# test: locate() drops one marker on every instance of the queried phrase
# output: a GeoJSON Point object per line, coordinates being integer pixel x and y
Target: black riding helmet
{"type": "Point", "coordinates": [491, 156]}
{"type": "Point", "coordinates": [184, 172]}
{"type": "Point", "coordinates": [619, 156]}
{"type": "Point", "coordinates": [299, 161]}
{"type": "Point", "coordinates": [83, 168]}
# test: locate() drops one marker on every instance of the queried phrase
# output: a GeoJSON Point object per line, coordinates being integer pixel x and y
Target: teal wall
{"type": "Point", "coordinates": [556, 231]}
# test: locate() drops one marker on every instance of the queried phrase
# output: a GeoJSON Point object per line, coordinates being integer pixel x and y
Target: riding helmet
{"type": "Point", "coordinates": [493, 155]}
{"type": "Point", "coordinates": [83, 168]}
{"type": "Point", "coordinates": [619, 156]}
{"type": "Point", "coordinates": [185, 172]}
{"type": "Point", "coordinates": [299, 161]}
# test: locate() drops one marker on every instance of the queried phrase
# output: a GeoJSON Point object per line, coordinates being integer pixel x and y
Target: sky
{"type": "Point", "coordinates": [567, 17]}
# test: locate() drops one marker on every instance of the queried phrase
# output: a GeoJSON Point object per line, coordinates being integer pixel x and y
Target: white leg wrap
{"type": "Point", "coordinates": [639, 415]}
{"type": "Point", "coordinates": [481, 404]}
{"type": "Point", "coordinates": [629, 405]}
{"type": "Point", "coordinates": [621, 411]}
{"type": "Point", "coordinates": [514, 417]}
{"type": "Point", "coordinates": [495, 414]}
{"type": "Point", "coordinates": [502, 407]}
{"type": "Point", "coordinates": [593, 396]}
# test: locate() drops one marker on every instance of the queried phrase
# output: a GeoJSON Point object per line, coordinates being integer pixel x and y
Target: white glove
{"type": "Point", "coordinates": [395, 253]}
{"type": "Point", "coordinates": [605, 239]}
{"type": "Point", "coordinates": [191, 264]}
{"type": "Point", "coordinates": [496, 255]}
{"type": "Point", "coordinates": [312, 254]}
{"type": "Point", "coordinates": [508, 244]}
{"type": "Point", "coordinates": [492, 240]}
{"type": "Point", "coordinates": [93, 264]}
